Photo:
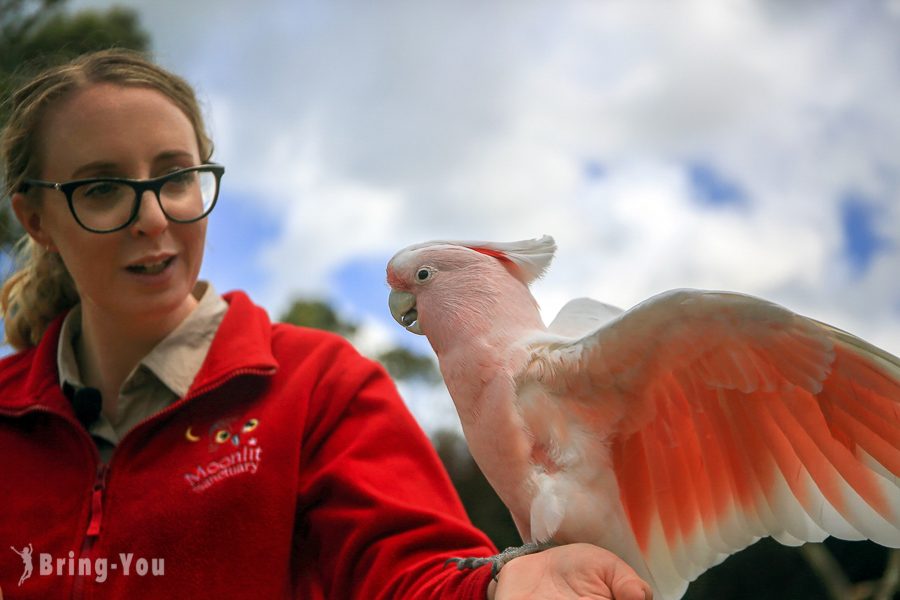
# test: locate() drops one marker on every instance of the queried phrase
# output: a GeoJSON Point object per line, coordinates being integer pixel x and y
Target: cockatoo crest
{"type": "Point", "coordinates": [527, 260]}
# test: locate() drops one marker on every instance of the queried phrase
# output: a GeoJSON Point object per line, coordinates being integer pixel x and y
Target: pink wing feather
{"type": "Point", "coordinates": [730, 418]}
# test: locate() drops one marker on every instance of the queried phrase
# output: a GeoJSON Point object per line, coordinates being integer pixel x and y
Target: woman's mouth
{"type": "Point", "coordinates": [151, 268]}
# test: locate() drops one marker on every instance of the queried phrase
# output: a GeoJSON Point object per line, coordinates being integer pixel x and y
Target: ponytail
{"type": "Point", "coordinates": [34, 295]}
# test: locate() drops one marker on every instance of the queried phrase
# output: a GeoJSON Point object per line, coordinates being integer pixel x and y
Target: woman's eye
{"type": "Point", "coordinates": [103, 189]}
{"type": "Point", "coordinates": [181, 178]}
{"type": "Point", "coordinates": [184, 176]}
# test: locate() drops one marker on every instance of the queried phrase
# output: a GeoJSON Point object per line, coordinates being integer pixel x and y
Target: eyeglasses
{"type": "Point", "coordinates": [107, 204]}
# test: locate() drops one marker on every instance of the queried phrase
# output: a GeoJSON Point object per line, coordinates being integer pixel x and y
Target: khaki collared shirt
{"type": "Point", "coordinates": [162, 377]}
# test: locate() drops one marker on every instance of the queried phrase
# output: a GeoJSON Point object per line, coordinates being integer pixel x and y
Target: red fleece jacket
{"type": "Point", "coordinates": [291, 469]}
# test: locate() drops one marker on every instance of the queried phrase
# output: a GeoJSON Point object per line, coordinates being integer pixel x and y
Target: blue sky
{"type": "Point", "coordinates": [743, 145]}
{"type": "Point", "coordinates": [862, 241]}
{"type": "Point", "coordinates": [235, 234]}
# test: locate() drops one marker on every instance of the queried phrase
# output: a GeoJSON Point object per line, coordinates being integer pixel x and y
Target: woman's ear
{"type": "Point", "coordinates": [31, 219]}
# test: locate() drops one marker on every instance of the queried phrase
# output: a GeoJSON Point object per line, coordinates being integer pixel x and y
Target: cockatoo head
{"type": "Point", "coordinates": [441, 281]}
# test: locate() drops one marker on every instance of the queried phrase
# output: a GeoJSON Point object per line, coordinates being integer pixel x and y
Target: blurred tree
{"type": "Point", "coordinates": [403, 364]}
{"type": "Point", "coordinates": [319, 315]}
{"type": "Point", "coordinates": [38, 33]}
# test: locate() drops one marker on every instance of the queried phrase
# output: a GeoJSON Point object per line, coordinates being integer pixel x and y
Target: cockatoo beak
{"type": "Point", "coordinates": [403, 309]}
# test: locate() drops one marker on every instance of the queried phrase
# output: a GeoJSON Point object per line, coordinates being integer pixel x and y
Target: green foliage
{"type": "Point", "coordinates": [319, 315]}
{"type": "Point", "coordinates": [35, 34]}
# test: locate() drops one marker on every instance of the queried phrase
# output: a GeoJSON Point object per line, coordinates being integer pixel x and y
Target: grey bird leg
{"type": "Point", "coordinates": [498, 560]}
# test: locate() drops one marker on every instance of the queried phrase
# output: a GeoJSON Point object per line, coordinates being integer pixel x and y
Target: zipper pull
{"type": "Point", "coordinates": [97, 501]}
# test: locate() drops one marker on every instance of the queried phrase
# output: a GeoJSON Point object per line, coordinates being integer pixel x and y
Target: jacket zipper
{"type": "Point", "coordinates": [93, 529]}
{"type": "Point", "coordinates": [95, 518]}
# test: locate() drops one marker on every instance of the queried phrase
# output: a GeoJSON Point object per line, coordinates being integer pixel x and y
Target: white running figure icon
{"type": "Point", "coordinates": [26, 559]}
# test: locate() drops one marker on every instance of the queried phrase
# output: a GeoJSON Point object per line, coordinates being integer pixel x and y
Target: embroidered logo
{"type": "Point", "coordinates": [237, 452]}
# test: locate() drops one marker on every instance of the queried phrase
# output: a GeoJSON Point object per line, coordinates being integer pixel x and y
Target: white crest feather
{"type": "Point", "coordinates": [532, 257]}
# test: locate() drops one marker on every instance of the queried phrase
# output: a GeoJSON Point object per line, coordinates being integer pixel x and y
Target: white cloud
{"type": "Point", "coordinates": [373, 337]}
{"type": "Point", "coordinates": [431, 405]}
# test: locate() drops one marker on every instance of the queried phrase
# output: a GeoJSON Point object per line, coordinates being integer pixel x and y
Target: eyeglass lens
{"type": "Point", "coordinates": [105, 205]}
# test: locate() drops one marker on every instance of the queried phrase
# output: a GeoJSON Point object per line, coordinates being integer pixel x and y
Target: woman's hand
{"type": "Point", "coordinates": [576, 571]}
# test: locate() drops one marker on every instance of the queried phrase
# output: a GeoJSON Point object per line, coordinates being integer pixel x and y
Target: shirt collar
{"type": "Point", "coordinates": [175, 360]}
{"type": "Point", "coordinates": [65, 350]}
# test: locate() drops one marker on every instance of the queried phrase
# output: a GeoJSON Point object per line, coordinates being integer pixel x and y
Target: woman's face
{"type": "Point", "coordinates": [144, 273]}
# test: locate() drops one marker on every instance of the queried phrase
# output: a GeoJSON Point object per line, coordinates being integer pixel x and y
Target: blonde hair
{"type": "Point", "coordinates": [41, 288]}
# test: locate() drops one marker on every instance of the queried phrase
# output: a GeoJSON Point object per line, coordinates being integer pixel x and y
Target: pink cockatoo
{"type": "Point", "coordinates": [672, 434]}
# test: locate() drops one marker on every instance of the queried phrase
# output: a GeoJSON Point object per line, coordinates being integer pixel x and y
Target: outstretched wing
{"type": "Point", "coordinates": [730, 418]}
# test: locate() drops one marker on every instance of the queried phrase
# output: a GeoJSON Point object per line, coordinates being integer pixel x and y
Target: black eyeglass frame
{"type": "Point", "coordinates": [155, 184]}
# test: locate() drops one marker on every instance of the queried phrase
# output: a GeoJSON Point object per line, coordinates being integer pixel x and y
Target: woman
{"type": "Point", "coordinates": [160, 439]}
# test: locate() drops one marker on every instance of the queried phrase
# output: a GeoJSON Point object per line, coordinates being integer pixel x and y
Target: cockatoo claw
{"type": "Point", "coordinates": [473, 562]}
{"type": "Point", "coordinates": [497, 561]}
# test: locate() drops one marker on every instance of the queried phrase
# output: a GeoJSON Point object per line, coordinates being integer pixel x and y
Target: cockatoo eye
{"type": "Point", "coordinates": [423, 275]}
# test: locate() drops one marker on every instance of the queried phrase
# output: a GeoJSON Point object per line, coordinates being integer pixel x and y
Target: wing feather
{"type": "Point", "coordinates": [730, 418]}
{"type": "Point", "coordinates": [828, 502]}
{"type": "Point", "coordinates": [755, 471]}
{"type": "Point", "coordinates": [714, 500]}
{"type": "Point", "coordinates": [851, 470]}
{"type": "Point", "coordinates": [702, 545]}
{"type": "Point", "coordinates": [636, 487]}
{"type": "Point", "coordinates": [865, 432]}
{"type": "Point", "coordinates": [740, 470]}
{"type": "Point", "coordinates": [669, 518]}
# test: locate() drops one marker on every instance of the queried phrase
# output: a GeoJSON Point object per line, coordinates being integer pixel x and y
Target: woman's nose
{"type": "Point", "coordinates": [151, 220]}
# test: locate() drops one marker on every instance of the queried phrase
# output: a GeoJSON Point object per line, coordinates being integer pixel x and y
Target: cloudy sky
{"type": "Point", "coordinates": [742, 145]}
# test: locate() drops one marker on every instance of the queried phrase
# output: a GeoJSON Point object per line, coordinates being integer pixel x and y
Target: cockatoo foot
{"type": "Point", "coordinates": [498, 560]}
